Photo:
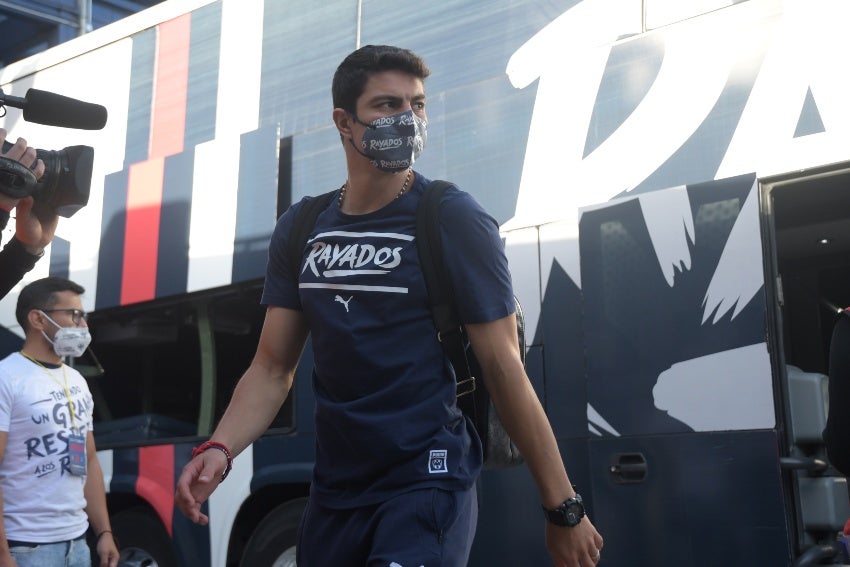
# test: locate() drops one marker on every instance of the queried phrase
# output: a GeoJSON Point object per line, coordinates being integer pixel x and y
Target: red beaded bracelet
{"type": "Point", "coordinates": [221, 447]}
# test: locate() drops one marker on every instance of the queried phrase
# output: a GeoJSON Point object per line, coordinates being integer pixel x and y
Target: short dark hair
{"type": "Point", "coordinates": [351, 75]}
{"type": "Point", "coordinates": [41, 294]}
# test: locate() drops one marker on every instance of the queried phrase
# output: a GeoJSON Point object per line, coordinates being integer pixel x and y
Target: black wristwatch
{"type": "Point", "coordinates": [567, 514]}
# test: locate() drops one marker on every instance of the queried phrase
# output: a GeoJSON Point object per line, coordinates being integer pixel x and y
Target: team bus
{"type": "Point", "coordinates": [672, 180]}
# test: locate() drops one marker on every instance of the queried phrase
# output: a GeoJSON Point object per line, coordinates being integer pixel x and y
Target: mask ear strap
{"type": "Point", "coordinates": [48, 339]}
{"type": "Point", "coordinates": [351, 141]}
{"type": "Point", "coordinates": [49, 319]}
{"type": "Point", "coordinates": [356, 119]}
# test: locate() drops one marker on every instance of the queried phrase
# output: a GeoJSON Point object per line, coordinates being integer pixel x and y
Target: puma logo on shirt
{"type": "Point", "coordinates": [339, 299]}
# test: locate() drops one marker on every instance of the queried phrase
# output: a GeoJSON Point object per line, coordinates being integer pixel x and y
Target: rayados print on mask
{"type": "Point", "coordinates": [393, 143]}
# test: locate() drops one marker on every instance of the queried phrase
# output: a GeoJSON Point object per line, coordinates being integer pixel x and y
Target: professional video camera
{"type": "Point", "coordinates": [66, 181]}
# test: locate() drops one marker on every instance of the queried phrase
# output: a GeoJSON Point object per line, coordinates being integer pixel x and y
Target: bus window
{"type": "Point", "coordinates": [169, 366]}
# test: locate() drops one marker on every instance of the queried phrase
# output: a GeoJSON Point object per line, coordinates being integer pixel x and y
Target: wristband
{"type": "Point", "coordinates": [221, 447]}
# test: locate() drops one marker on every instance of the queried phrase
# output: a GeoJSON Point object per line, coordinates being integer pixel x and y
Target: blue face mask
{"type": "Point", "coordinates": [393, 143]}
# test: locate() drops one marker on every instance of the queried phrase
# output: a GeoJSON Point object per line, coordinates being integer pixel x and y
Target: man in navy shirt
{"type": "Point", "coordinates": [396, 461]}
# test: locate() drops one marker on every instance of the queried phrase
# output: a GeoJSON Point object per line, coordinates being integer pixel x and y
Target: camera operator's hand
{"type": "Point", "coordinates": [7, 203]}
{"type": "Point", "coordinates": [24, 154]}
{"type": "Point", "coordinates": [27, 156]}
{"type": "Point", "coordinates": [35, 225]}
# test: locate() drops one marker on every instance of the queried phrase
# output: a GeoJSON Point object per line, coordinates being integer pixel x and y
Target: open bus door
{"type": "Point", "coordinates": [686, 468]}
{"type": "Point", "coordinates": [807, 253]}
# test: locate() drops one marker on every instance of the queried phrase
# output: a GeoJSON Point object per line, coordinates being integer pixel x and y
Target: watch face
{"type": "Point", "coordinates": [574, 513]}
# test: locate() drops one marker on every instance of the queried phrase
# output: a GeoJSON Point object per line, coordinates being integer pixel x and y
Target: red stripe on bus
{"type": "Point", "coordinates": [141, 231]}
{"type": "Point", "coordinates": [156, 480]}
{"type": "Point", "coordinates": [168, 119]}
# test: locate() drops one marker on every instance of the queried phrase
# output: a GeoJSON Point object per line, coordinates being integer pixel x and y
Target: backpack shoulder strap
{"type": "Point", "coordinates": [440, 296]}
{"type": "Point", "coordinates": [303, 223]}
{"type": "Point", "coordinates": [429, 245]}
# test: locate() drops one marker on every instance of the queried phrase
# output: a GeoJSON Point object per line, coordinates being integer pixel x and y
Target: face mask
{"type": "Point", "coordinates": [68, 341]}
{"type": "Point", "coordinates": [394, 142]}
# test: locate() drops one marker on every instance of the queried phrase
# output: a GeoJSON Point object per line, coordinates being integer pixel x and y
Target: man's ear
{"type": "Point", "coordinates": [36, 320]}
{"type": "Point", "coordinates": [343, 122]}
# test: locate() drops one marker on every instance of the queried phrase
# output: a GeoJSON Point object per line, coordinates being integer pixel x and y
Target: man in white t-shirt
{"type": "Point", "coordinates": [51, 484]}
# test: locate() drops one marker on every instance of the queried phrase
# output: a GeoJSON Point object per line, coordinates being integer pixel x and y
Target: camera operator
{"type": "Point", "coordinates": [35, 224]}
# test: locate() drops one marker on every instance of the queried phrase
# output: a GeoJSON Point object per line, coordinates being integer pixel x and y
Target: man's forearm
{"type": "Point", "coordinates": [15, 261]}
{"type": "Point", "coordinates": [4, 544]}
{"type": "Point", "coordinates": [95, 494]}
{"type": "Point", "coordinates": [256, 400]}
{"type": "Point", "coordinates": [496, 347]}
{"type": "Point", "coordinates": [526, 422]}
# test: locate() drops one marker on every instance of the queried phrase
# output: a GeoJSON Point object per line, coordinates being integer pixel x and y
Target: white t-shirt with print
{"type": "Point", "coordinates": [42, 501]}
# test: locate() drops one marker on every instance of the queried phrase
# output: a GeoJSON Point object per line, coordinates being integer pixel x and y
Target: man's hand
{"type": "Point", "coordinates": [200, 477]}
{"type": "Point", "coordinates": [579, 546]}
{"type": "Point", "coordinates": [35, 225]}
{"type": "Point", "coordinates": [107, 550]}
{"type": "Point", "coordinates": [21, 152]}
{"type": "Point", "coordinates": [7, 203]}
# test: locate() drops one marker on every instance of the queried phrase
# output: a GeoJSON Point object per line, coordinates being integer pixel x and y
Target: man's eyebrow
{"type": "Point", "coordinates": [385, 98]}
{"type": "Point", "coordinates": [394, 98]}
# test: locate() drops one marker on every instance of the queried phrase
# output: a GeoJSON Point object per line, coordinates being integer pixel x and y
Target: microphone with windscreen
{"type": "Point", "coordinates": [66, 182]}
{"type": "Point", "coordinates": [51, 109]}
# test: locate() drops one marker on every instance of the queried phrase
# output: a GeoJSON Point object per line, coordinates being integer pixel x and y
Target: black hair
{"type": "Point", "coordinates": [351, 75]}
{"type": "Point", "coordinates": [41, 294]}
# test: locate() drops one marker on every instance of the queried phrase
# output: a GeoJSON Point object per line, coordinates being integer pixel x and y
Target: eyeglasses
{"type": "Point", "coordinates": [77, 316]}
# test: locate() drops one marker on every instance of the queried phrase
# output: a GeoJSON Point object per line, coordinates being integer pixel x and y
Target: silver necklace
{"type": "Point", "coordinates": [344, 188]}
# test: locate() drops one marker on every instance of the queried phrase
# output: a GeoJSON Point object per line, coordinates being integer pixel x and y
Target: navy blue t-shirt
{"type": "Point", "coordinates": [386, 417]}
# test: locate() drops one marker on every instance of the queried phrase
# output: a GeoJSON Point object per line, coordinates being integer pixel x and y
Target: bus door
{"type": "Point", "coordinates": [807, 220]}
{"type": "Point", "coordinates": [683, 431]}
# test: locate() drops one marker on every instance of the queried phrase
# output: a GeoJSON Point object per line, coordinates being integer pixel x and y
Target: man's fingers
{"type": "Point", "coordinates": [24, 209]}
{"type": "Point", "coordinates": [39, 169]}
{"type": "Point", "coordinates": [28, 158]}
{"type": "Point", "coordinates": [21, 152]}
{"type": "Point", "coordinates": [184, 497]}
{"type": "Point", "coordinates": [202, 520]}
{"type": "Point", "coordinates": [191, 508]}
{"type": "Point", "coordinates": [193, 489]}
{"type": "Point", "coordinates": [18, 149]}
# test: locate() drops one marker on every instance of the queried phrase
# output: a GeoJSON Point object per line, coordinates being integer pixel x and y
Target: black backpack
{"type": "Point", "coordinates": [472, 396]}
